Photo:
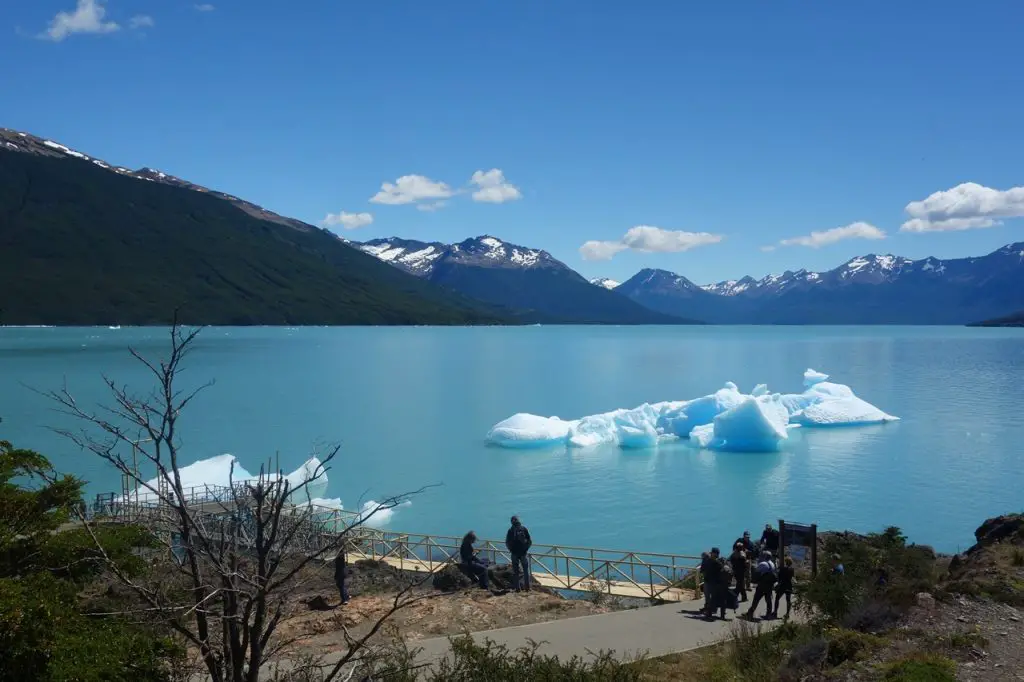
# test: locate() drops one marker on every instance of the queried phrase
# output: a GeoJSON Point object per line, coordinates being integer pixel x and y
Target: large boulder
{"type": "Point", "coordinates": [994, 566]}
{"type": "Point", "coordinates": [452, 578]}
{"type": "Point", "coordinates": [1009, 527]}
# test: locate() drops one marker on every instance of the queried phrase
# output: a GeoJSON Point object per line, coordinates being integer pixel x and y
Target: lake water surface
{"type": "Point", "coordinates": [411, 407]}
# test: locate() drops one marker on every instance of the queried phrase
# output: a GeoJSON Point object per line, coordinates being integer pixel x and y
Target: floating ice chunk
{"type": "Point", "coordinates": [755, 425]}
{"type": "Point", "coordinates": [312, 471]}
{"type": "Point", "coordinates": [701, 411]}
{"type": "Point", "coordinates": [845, 411]}
{"type": "Point", "coordinates": [636, 428]}
{"type": "Point", "coordinates": [812, 377]}
{"type": "Point", "coordinates": [725, 420]}
{"type": "Point", "coordinates": [208, 478]}
{"type": "Point", "coordinates": [374, 516]}
{"type": "Point", "coordinates": [208, 474]}
{"type": "Point", "coordinates": [529, 431]}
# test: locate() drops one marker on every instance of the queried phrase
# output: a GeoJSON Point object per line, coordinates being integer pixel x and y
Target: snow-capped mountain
{"type": "Point", "coordinates": [18, 141]}
{"type": "Point", "coordinates": [516, 277]}
{"type": "Point", "coordinates": [420, 258]}
{"type": "Point", "coordinates": [605, 282]}
{"type": "Point", "coordinates": [880, 289]}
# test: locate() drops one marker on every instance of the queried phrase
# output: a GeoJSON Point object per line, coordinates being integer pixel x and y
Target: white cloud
{"type": "Point", "coordinates": [769, 248]}
{"type": "Point", "coordinates": [596, 250]}
{"type": "Point", "coordinates": [432, 206]}
{"type": "Point", "coordinates": [410, 189]}
{"type": "Point", "coordinates": [648, 239]}
{"type": "Point", "coordinates": [349, 221]}
{"type": "Point", "coordinates": [493, 188]}
{"type": "Point", "coordinates": [141, 21]}
{"type": "Point", "coordinates": [87, 18]}
{"type": "Point", "coordinates": [964, 207]}
{"type": "Point", "coordinates": [814, 240]}
{"type": "Point", "coordinates": [205, 7]}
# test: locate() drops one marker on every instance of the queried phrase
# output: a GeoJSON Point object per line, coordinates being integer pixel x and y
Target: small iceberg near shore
{"type": "Point", "coordinates": [211, 478]}
{"type": "Point", "coordinates": [724, 420]}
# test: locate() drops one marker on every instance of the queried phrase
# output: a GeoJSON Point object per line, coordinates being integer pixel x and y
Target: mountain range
{"type": "Point", "coordinates": [83, 241]}
{"type": "Point", "coordinates": [871, 289]}
{"type": "Point", "coordinates": [514, 277]}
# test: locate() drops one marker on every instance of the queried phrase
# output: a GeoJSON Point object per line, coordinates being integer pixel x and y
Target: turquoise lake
{"type": "Point", "coordinates": [412, 406]}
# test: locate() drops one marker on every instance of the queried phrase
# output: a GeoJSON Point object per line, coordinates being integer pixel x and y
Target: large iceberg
{"type": "Point", "coordinates": [210, 478]}
{"type": "Point", "coordinates": [724, 420]}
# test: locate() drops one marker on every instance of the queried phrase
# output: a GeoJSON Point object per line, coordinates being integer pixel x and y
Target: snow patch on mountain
{"type": "Point", "coordinates": [605, 282]}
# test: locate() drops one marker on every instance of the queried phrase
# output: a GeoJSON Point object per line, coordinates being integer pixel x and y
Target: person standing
{"type": "Point", "coordinates": [770, 539]}
{"type": "Point", "coordinates": [341, 573]}
{"type": "Point", "coordinates": [784, 587]}
{"type": "Point", "coordinates": [765, 576]}
{"type": "Point", "coordinates": [518, 542]}
{"type": "Point", "coordinates": [738, 560]}
{"type": "Point", "coordinates": [714, 576]}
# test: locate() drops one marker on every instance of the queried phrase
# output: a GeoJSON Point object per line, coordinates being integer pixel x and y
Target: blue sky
{"type": "Point", "coordinates": [717, 129]}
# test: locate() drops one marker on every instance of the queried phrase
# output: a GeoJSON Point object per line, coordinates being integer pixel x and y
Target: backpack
{"type": "Point", "coordinates": [520, 537]}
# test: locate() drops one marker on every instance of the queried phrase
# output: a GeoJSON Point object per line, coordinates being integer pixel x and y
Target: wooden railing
{"type": "Point", "coordinates": [646, 575]}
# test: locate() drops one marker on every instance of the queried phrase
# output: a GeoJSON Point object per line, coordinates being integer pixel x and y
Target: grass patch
{"type": "Point", "coordinates": [1017, 557]}
{"type": "Point", "coordinates": [851, 646]}
{"type": "Point", "coordinates": [921, 668]}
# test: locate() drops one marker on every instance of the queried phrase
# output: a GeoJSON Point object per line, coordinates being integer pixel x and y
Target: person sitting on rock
{"type": "Point", "coordinates": [473, 564]}
{"type": "Point", "coordinates": [770, 539]}
{"type": "Point", "coordinates": [518, 541]}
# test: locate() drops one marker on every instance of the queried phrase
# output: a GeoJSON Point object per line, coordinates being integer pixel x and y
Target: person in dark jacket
{"type": "Point", "coordinates": [518, 541]}
{"type": "Point", "coordinates": [473, 564]}
{"type": "Point", "coordinates": [748, 544]}
{"type": "Point", "coordinates": [784, 587]}
{"type": "Point", "coordinates": [738, 560]}
{"type": "Point", "coordinates": [715, 582]}
{"type": "Point", "coordinates": [770, 539]}
{"type": "Point", "coordinates": [340, 573]}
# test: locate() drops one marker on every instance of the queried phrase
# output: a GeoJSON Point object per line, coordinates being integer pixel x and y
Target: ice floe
{"type": "Point", "coordinates": [725, 420]}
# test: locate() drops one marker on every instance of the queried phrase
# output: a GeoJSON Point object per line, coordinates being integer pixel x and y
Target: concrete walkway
{"type": "Point", "coordinates": [651, 631]}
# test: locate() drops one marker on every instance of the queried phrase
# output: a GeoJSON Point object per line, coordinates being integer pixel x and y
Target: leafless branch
{"type": "Point", "coordinates": [227, 593]}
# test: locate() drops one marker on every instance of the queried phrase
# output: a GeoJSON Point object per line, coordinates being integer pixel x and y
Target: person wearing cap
{"type": "Point", "coordinates": [518, 542]}
{"type": "Point", "coordinates": [770, 539]}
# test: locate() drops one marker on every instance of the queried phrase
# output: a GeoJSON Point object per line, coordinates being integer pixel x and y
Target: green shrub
{"type": "Point", "coordinates": [1017, 558]}
{"type": "Point", "coordinates": [848, 645]}
{"type": "Point", "coordinates": [490, 662]}
{"type": "Point", "coordinates": [921, 668]}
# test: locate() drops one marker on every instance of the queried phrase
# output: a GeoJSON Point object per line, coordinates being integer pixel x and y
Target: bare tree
{"type": "Point", "coordinates": [238, 551]}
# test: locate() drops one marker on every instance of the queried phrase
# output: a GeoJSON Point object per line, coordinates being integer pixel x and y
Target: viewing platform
{"type": "Point", "coordinates": [662, 577]}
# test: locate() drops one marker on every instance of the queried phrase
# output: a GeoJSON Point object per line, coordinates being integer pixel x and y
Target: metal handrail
{"type": "Point", "coordinates": [568, 567]}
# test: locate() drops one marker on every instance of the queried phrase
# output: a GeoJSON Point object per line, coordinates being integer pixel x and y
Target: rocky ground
{"type": "Point", "coordinates": [985, 637]}
{"type": "Point", "coordinates": [446, 604]}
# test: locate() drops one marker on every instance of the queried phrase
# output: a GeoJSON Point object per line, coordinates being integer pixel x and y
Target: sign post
{"type": "Point", "coordinates": [799, 540]}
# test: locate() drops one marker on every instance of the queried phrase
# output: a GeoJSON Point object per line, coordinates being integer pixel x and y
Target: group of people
{"type": "Point", "coordinates": [518, 543]}
{"type": "Point", "coordinates": [517, 540]}
{"type": "Point", "coordinates": [727, 580]}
